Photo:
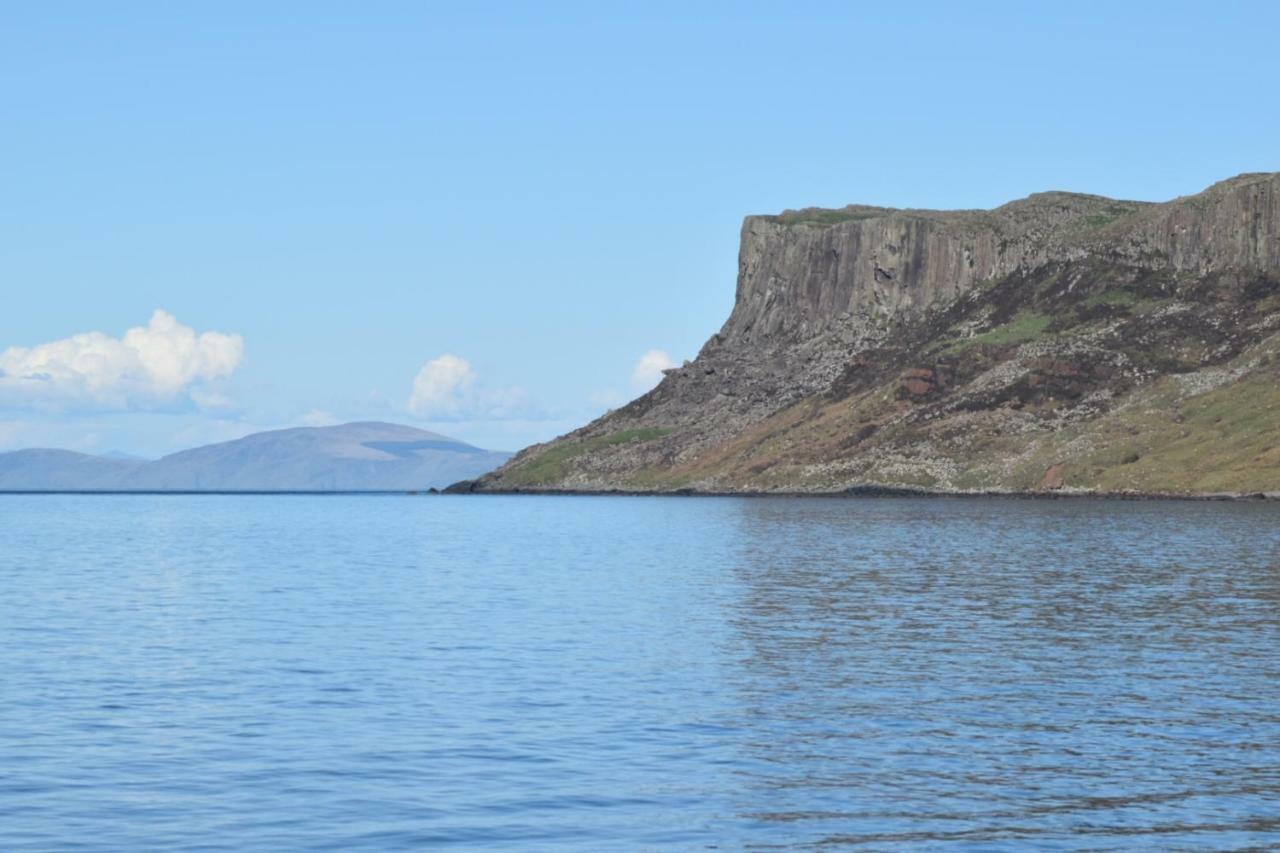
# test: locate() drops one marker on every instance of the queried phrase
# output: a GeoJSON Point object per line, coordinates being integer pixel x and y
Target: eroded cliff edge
{"type": "Point", "coordinates": [1060, 342]}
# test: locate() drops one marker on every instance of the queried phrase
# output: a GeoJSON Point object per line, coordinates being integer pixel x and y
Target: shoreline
{"type": "Point", "coordinates": [467, 487]}
{"type": "Point", "coordinates": [856, 492]}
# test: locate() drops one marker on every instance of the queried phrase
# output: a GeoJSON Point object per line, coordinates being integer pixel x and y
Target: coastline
{"type": "Point", "coordinates": [468, 487]}
{"type": "Point", "coordinates": [855, 492]}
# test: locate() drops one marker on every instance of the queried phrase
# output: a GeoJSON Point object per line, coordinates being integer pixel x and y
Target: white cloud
{"type": "Point", "coordinates": [448, 389]}
{"type": "Point", "coordinates": [648, 370]}
{"type": "Point", "coordinates": [441, 387]}
{"type": "Point", "coordinates": [152, 366]}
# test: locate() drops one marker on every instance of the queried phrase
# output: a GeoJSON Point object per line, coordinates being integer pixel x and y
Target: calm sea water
{"type": "Point", "coordinates": [572, 673]}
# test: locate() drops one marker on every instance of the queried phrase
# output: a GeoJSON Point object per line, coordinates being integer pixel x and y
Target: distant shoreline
{"type": "Point", "coordinates": [864, 493]}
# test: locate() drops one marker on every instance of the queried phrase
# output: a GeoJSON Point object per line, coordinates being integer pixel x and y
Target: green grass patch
{"type": "Point", "coordinates": [549, 466]}
{"type": "Point", "coordinates": [1223, 440]}
{"type": "Point", "coordinates": [1266, 306]}
{"type": "Point", "coordinates": [1115, 297]}
{"type": "Point", "coordinates": [627, 436]}
{"type": "Point", "coordinates": [1105, 218]}
{"type": "Point", "coordinates": [825, 217]}
{"type": "Point", "coordinates": [1026, 326]}
{"type": "Point", "coordinates": [1098, 220]}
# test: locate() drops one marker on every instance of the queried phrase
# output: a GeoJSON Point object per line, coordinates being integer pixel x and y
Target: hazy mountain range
{"type": "Point", "coordinates": [366, 456]}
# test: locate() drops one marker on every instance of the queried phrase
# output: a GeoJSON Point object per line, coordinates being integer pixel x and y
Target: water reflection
{"type": "Point", "coordinates": [929, 671]}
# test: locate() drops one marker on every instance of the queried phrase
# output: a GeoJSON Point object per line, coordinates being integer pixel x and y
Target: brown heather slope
{"type": "Point", "coordinates": [1062, 342]}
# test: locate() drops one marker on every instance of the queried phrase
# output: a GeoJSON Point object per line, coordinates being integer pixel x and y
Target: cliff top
{"type": "Point", "coordinates": [1084, 204]}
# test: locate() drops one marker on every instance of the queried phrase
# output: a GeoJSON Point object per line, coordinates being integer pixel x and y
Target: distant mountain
{"type": "Point", "coordinates": [120, 454]}
{"type": "Point", "coordinates": [62, 470]}
{"type": "Point", "coordinates": [366, 456]}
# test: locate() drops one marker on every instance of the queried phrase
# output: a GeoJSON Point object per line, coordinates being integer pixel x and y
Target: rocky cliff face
{"type": "Point", "coordinates": [1061, 341]}
{"type": "Point", "coordinates": [802, 271]}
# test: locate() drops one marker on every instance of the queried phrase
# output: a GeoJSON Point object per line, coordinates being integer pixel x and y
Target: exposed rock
{"type": "Point", "coordinates": [1054, 478]}
{"type": "Point", "coordinates": [970, 350]}
{"type": "Point", "coordinates": [918, 383]}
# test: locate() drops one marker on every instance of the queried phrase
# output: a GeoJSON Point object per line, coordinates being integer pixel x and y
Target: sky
{"type": "Point", "coordinates": [497, 220]}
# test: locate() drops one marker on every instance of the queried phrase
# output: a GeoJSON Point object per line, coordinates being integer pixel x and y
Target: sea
{"type": "Point", "coordinates": [481, 672]}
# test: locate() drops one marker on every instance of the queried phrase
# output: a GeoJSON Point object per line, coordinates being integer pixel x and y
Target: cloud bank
{"type": "Point", "coordinates": [648, 370]}
{"type": "Point", "coordinates": [156, 366]}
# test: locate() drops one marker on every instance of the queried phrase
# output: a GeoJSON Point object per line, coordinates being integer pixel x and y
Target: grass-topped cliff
{"type": "Point", "coordinates": [1059, 343]}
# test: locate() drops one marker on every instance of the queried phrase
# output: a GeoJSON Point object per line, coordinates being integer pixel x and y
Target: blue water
{"type": "Point", "coordinates": [573, 673]}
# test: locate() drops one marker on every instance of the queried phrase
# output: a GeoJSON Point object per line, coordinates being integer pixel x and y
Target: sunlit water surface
{"type": "Point", "coordinates": [379, 673]}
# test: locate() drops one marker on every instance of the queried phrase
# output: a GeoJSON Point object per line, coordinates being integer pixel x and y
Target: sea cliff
{"type": "Point", "coordinates": [1061, 343]}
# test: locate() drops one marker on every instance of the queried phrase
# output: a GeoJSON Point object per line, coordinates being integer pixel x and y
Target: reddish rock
{"type": "Point", "coordinates": [1054, 477]}
{"type": "Point", "coordinates": [920, 382]}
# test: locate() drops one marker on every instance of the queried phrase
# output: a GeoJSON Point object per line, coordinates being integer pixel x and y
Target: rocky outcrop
{"type": "Point", "coordinates": [1232, 225]}
{"type": "Point", "coordinates": [801, 271]}
{"type": "Point", "coordinates": [1019, 348]}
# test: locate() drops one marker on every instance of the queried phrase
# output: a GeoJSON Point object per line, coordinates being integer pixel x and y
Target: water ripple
{"type": "Point", "coordinates": [560, 673]}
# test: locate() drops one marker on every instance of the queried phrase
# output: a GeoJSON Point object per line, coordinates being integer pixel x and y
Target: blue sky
{"type": "Point", "coordinates": [479, 218]}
